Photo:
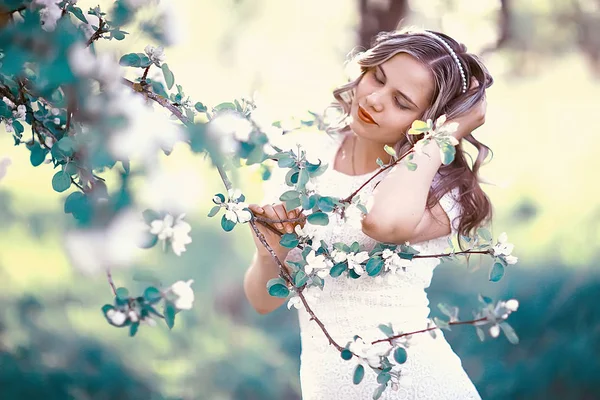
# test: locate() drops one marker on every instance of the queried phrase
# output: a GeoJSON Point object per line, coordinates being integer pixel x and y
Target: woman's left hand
{"type": "Point", "coordinates": [472, 120]}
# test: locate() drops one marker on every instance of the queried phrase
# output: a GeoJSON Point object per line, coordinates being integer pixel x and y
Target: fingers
{"type": "Point", "coordinates": [283, 214]}
{"type": "Point", "coordinates": [256, 209]}
{"type": "Point", "coordinates": [271, 214]}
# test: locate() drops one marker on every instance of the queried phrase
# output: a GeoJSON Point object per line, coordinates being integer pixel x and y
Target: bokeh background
{"type": "Point", "coordinates": [541, 124]}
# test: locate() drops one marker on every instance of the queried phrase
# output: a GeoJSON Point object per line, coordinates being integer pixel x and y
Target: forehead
{"type": "Point", "coordinates": [410, 76]}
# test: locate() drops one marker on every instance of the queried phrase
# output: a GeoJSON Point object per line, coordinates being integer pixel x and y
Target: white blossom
{"type": "Point", "coordinates": [311, 294]}
{"type": "Point", "coordinates": [20, 113]}
{"type": "Point", "coordinates": [353, 216]}
{"type": "Point", "coordinates": [8, 126]}
{"type": "Point", "coordinates": [370, 353]}
{"type": "Point", "coordinates": [175, 231]}
{"type": "Point", "coordinates": [315, 263]}
{"type": "Point", "coordinates": [116, 317]}
{"type": "Point", "coordinates": [50, 13]}
{"type": "Point", "coordinates": [8, 102]}
{"type": "Point", "coordinates": [355, 260]}
{"type": "Point", "coordinates": [339, 256]}
{"type": "Point", "coordinates": [494, 330]}
{"type": "Point", "coordinates": [175, 190]}
{"type": "Point", "coordinates": [155, 54]}
{"type": "Point", "coordinates": [310, 186]}
{"type": "Point", "coordinates": [115, 246]}
{"type": "Point", "coordinates": [236, 212]}
{"type": "Point", "coordinates": [185, 294]}
{"type": "Point", "coordinates": [511, 259]}
{"type": "Point", "coordinates": [234, 194]}
{"type": "Point", "coordinates": [133, 316]}
{"type": "Point", "coordinates": [503, 248]}
{"type": "Point", "coordinates": [4, 163]}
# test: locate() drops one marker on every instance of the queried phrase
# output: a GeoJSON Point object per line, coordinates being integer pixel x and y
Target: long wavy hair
{"type": "Point", "coordinates": [447, 99]}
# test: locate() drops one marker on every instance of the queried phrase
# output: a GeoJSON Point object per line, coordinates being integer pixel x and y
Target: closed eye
{"type": "Point", "coordinates": [380, 81]}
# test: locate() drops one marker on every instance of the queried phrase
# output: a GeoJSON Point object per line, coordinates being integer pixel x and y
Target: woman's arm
{"type": "Point", "coordinates": [258, 274]}
{"type": "Point", "coordinates": [398, 211]}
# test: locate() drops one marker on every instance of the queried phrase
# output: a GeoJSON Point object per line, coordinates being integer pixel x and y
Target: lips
{"type": "Point", "coordinates": [364, 116]}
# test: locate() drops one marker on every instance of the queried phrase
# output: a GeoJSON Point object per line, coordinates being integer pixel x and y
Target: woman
{"type": "Point", "coordinates": [406, 75]}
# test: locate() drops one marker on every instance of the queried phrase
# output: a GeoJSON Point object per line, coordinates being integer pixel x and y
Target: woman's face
{"type": "Point", "coordinates": [393, 95]}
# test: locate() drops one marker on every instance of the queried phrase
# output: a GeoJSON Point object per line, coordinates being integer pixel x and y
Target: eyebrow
{"type": "Point", "coordinates": [398, 90]}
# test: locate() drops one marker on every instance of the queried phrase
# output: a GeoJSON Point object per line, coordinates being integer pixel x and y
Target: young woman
{"type": "Point", "coordinates": [406, 75]}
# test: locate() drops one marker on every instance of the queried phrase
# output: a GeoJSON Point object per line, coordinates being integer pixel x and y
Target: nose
{"type": "Point", "coordinates": [374, 101]}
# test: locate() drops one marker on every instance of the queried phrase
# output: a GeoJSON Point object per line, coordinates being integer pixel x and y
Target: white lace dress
{"type": "Point", "coordinates": [349, 307]}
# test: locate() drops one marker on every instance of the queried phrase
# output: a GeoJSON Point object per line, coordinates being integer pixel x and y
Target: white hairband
{"type": "Point", "coordinates": [453, 54]}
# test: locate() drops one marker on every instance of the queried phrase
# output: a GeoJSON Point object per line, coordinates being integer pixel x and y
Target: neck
{"type": "Point", "coordinates": [366, 153]}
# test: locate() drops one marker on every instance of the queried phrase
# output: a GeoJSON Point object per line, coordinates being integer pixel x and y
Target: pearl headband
{"type": "Point", "coordinates": [453, 54]}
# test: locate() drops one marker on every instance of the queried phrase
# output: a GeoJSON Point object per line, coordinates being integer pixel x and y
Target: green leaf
{"type": "Point", "coordinates": [130, 60]}
{"type": "Point", "coordinates": [497, 272]}
{"type": "Point", "coordinates": [359, 374]}
{"type": "Point", "coordinates": [355, 247]}
{"type": "Point", "coordinates": [353, 274]}
{"type": "Point", "coordinates": [214, 211]}
{"type": "Point", "coordinates": [133, 329]}
{"type": "Point", "coordinates": [152, 295]}
{"type": "Point", "coordinates": [168, 75]}
{"type": "Point", "coordinates": [226, 224]}
{"type": "Point", "coordinates": [379, 162]}
{"type": "Point", "coordinates": [303, 177]}
{"type": "Point", "coordinates": [326, 203]}
{"type": "Point", "coordinates": [150, 215]}
{"type": "Point", "coordinates": [38, 154]}
{"type": "Point", "coordinates": [278, 288]}
{"type": "Point", "coordinates": [307, 202]}
{"type": "Point", "coordinates": [380, 389]}
{"type": "Point", "coordinates": [169, 313]}
{"type": "Point", "coordinates": [318, 218]}
{"type": "Point", "coordinates": [78, 13]}
{"type": "Point", "coordinates": [338, 269]}
{"type": "Point", "coordinates": [484, 234]}
{"type": "Point", "coordinates": [400, 355]}
{"type": "Point", "coordinates": [383, 378]}
{"type": "Point", "coordinates": [289, 195]}
{"type": "Point", "coordinates": [61, 181]}
{"type": "Point", "coordinates": [445, 309]}
{"type": "Point", "coordinates": [346, 354]}
{"type": "Point", "coordinates": [289, 240]}
{"type": "Point", "coordinates": [286, 162]}
{"type": "Point", "coordinates": [117, 34]}
{"type": "Point", "coordinates": [224, 106]}
{"type": "Point", "coordinates": [200, 107]}
{"type": "Point", "coordinates": [300, 279]}
{"type": "Point", "coordinates": [374, 266]}
{"type": "Point", "coordinates": [386, 329]}
{"type": "Point", "coordinates": [480, 333]}
{"type": "Point", "coordinates": [122, 293]}
{"type": "Point", "coordinates": [291, 204]}
{"type": "Point", "coordinates": [411, 166]}
{"type": "Point", "coordinates": [312, 168]}
{"type": "Point", "coordinates": [220, 196]}
{"type": "Point", "coordinates": [509, 332]}
{"type": "Point", "coordinates": [390, 150]}
{"type": "Point", "coordinates": [18, 127]}
{"type": "Point", "coordinates": [72, 202]}
{"type": "Point", "coordinates": [448, 151]}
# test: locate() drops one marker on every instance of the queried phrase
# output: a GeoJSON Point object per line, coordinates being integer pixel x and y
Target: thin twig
{"type": "Point", "coordinates": [110, 281]}
{"type": "Point", "coordinates": [389, 339]}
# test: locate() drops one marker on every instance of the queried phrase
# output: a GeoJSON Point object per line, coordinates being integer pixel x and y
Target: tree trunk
{"type": "Point", "coordinates": [379, 15]}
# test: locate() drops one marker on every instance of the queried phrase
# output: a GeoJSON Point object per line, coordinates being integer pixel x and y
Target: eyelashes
{"type": "Point", "coordinates": [381, 82]}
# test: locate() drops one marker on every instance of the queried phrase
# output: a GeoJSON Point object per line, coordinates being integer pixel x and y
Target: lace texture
{"type": "Point", "coordinates": [349, 307]}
